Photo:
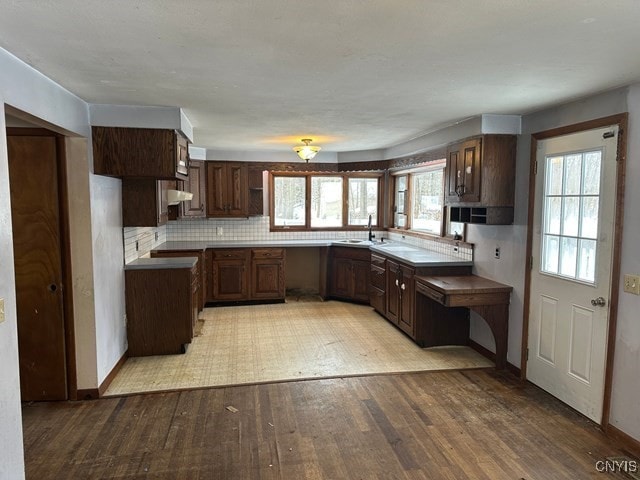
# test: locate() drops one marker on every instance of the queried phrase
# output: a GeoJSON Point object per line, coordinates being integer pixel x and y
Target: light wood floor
{"type": "Point", "coordinates": [475, 424]}
{"type": "Point", "coordinates": [292, 341]}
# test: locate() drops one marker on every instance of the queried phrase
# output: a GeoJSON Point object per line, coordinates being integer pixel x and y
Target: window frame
{"type": "Point", "coordinates": [410, 173]}
{"type": "Point", "coordinates": [345, 176]}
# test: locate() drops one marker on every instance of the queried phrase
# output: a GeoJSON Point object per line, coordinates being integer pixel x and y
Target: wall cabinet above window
{"type": "Point", "coordinates": [480, 179]}
{"type": "Point", "coordinates": [140, 153]}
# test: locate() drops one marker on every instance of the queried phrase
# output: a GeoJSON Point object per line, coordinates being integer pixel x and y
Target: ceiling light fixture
{"type": "Point", "coordinates": [306, 152]}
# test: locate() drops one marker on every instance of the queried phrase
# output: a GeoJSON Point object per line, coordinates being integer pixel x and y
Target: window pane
{"type": "Point", "coordinates": [326, 202]}
{"type": "Point", "coordinates": [363, 201]}
{"type": "Point", "coordinates": [550, 254]}
{"type": "Point", "coordinates": [288, 198]}
{"type": "Point", "coordinates": [587, 269]}
{"type": "Point", "coordinates": [589, 217]}
{"type": "Point", "coordinates": [427, 196]}
{"type": "Point", "coordinates": [572, 174]}
{"type": "Point", "coordinates": [591, 181]}
{"type": "Point", "coordinates": [554, 176]}
{"type": "Point", "coordinates": [570, 216]}
{"type": "Point", "coordinates": [568, 256]}
{"type": "Point", "coordinates": [553, 209]}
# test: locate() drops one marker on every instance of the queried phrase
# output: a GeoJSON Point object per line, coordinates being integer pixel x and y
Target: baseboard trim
{"type": "Point", "coordinates": [88, 394]}
{"type": "Point", "coordinates": [627, 440]}
{"type": "Point", "coordinates": [112, 374]}
{"type": "Point", "coordinates": [485, 352]}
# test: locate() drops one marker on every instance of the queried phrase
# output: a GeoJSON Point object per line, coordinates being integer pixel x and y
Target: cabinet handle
{"type": "Point", "coordinates": [202, 207]}
{"type": "Point", "coordinates": [402, 286]}
{"type": "Point", "coordinates": [397, 283]}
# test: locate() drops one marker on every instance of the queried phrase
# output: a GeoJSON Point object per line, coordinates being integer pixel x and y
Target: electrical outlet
{"type": "Point", "coordinates": [1, 310]}
{"type": "Point", "coordinates": [219, 231]}
{"type": "Point", "coordinates": [497, 253]}
{"type": "Point", "coordinates": [632, 284]}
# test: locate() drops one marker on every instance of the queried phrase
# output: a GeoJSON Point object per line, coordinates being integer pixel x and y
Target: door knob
{"type": "Point", "coordinates": [598, 302]}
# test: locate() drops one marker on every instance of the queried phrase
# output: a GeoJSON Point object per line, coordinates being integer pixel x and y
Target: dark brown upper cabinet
{"type": "Point", "coordinates": [144, 202]}
{"type": "Point", "coordinates": [227, 189]}
{"type": "Point", "coordinates": [140, 153]}
{"type": "Point", "coordinates": [195, 184]}
{"type": "Point", "coordinates": [480, 179]}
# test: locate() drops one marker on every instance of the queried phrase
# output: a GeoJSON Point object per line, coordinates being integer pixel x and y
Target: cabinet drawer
{"type": "Point", "coordinates": [352, 253]}
{"type": "Point", "coordinates": [430, 293]}
{"type": "Point", "coordinates": [377, 260]}
{"type": "Point", "coordinates": [268, 252]}
{"type": "Point", "coordinates": [231, 253]}
{"type": "Point", "coordinates": [378, 277]}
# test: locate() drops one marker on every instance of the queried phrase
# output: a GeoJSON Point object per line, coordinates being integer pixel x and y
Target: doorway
{"type": "Point", "coordinates": [573, 251]}
{"type": "Point", "coordinates": [42, 271]}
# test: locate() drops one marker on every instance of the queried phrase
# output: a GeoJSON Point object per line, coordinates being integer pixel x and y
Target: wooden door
{"type": "Point", "coordinates": [406, 318]}
{"type": "Point", "coordinates": [341, 277]}
{"type": "Point", "coordinates": [230, 280]}
{"type": "Point", "coordinates": [33, 177]}
{"type": "Point", "coordinates": [216, 189]}
{"type": "Point", "coordinates": [393, 295]}
{"type": "Point", "coordinates": [360, 278]}
{"type": "Point", "coordinates": [237, 190]}
{"type": "Point", "coordinates": [453, 171]}
{"type": "Point", "coordinates": [463, 172]}
{"type": "Point", "coordinates": [574, 211]}
{"type": "Point", "coordinates": [267, 278]}
{"type": "Point", "coordinates": [196, 185]}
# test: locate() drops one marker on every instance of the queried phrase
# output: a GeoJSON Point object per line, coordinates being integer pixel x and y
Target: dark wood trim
{"type": "Point", "coordinates": [621, 120]}
{"type": "Point", "coordinates": [67, 271]}
{"type": "Point", "coordinates": [616, 260]}
{"type": "Point", "coordinates": [628, 442]}
{"type": "Point", "coordinates": [112, 374]}
{"type": "Point", "coordinates": [485, 352]}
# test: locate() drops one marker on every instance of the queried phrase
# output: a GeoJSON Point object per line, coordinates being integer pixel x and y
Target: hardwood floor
{"type": "Point", "coordinates": [475, 424]}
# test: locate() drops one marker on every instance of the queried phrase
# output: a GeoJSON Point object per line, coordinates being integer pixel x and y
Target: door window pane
{"type": "Point", "coordinates": [570, 215]}
{"type": "Point", "coordinates": [326, 202]}
{"type": "Point", "coordinates": [363, 201]}
{"type": "Point", "coordinates": [289, 198]}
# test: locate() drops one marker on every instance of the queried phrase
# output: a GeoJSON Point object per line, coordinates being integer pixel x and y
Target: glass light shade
{"type": "Point", "coordinates": [306, 151]}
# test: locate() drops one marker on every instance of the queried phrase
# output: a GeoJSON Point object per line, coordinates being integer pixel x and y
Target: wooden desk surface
{"type": "Point", "coordinates": [464, 284]}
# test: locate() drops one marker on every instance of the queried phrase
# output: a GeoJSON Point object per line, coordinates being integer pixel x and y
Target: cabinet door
{"type": "Point", "coordinates": [377, 300]}
{"type": "Point", "coordinates": [267, 278]}
{"type": "Point", "coordinates": [341, 278]}
{"type": "Point", "coordinates": [196, 185]}
{"type": "Point", "coordinates": [216, 189]}
{"type": "Point", "coordinates": [406, 320]}
{"type": "Point", "coordinates": [360, 279]}
{"type": "Point", "coordinates": [237, 190]}
{"type": "Point", "coordinates": [182, 155]}
{"type": "Point", "coordinates": [230, 280]}
{"type": "Point", "coordinates": [393, 295]}
{"type": "Point", "coordinates": [163, 203]}
{"type": "Point", "coordinates": [463, 172]}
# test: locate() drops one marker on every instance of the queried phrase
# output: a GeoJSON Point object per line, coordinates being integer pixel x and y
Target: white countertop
{"type": "Point", "coordinates": [416, 256]}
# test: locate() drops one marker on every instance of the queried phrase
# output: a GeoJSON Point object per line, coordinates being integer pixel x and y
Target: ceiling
{"type": "Point", "coordinates": [351, 74]}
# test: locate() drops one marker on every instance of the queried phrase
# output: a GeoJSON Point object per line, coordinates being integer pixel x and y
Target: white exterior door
{"type": "Point", "coordinates": [571, 267]}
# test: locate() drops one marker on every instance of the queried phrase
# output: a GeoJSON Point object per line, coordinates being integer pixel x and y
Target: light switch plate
{"type": "Point", "coordinates": [632, 284]}
{"type": "Point", "coordinates": [1, 310]}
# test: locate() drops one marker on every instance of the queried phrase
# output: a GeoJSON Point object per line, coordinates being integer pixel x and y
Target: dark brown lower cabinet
{"type": "Point", "coordinates": [348, 275]}
{"type": "Point", "coordinates": [201, 269]}
{"type": "Point", "coordinates": [239, 274]}
{"type": "Point", "coordinates": [392, 294]}
{"type": "Point", "coordinates": [162, 308]}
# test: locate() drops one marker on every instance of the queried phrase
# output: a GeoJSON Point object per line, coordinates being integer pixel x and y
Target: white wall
{"type": "Point", "coordinates": [625, 403]}
{"type": "Point", "coordinates": [11, 454]}
{"type": "Point", "coordinates": [27, 90]}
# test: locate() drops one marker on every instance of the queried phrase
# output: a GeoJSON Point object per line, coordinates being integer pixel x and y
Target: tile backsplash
{"type": "Point", "coordinates": [257, 228]}
{"type": "Point", "coordinates": [145, 238]}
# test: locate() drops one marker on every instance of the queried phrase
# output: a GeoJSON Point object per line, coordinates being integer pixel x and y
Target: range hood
{"type": "Point", "coordinates": [174, 197]}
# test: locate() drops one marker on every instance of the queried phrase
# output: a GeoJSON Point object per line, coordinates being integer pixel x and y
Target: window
{"type": "Point", "coordinates": [427, 201]}
{"type": "Point", "coordinates": [288, 201]}
{"type": "Point", "coordinates": [363, 201]}
{"type": "Point", "coordinates": [570, 215]}
{"type": "Point", "coordinates": [419, 199]}
{"type": "Point", "coordinates": [304, 201]}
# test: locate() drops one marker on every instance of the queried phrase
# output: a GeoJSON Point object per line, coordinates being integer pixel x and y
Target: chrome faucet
{"type": "Point", "coordinates": [371, 235]}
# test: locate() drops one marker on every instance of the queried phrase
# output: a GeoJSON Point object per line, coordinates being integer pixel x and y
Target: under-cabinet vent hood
{"type": "Point", "coordinates": [174, 197]}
